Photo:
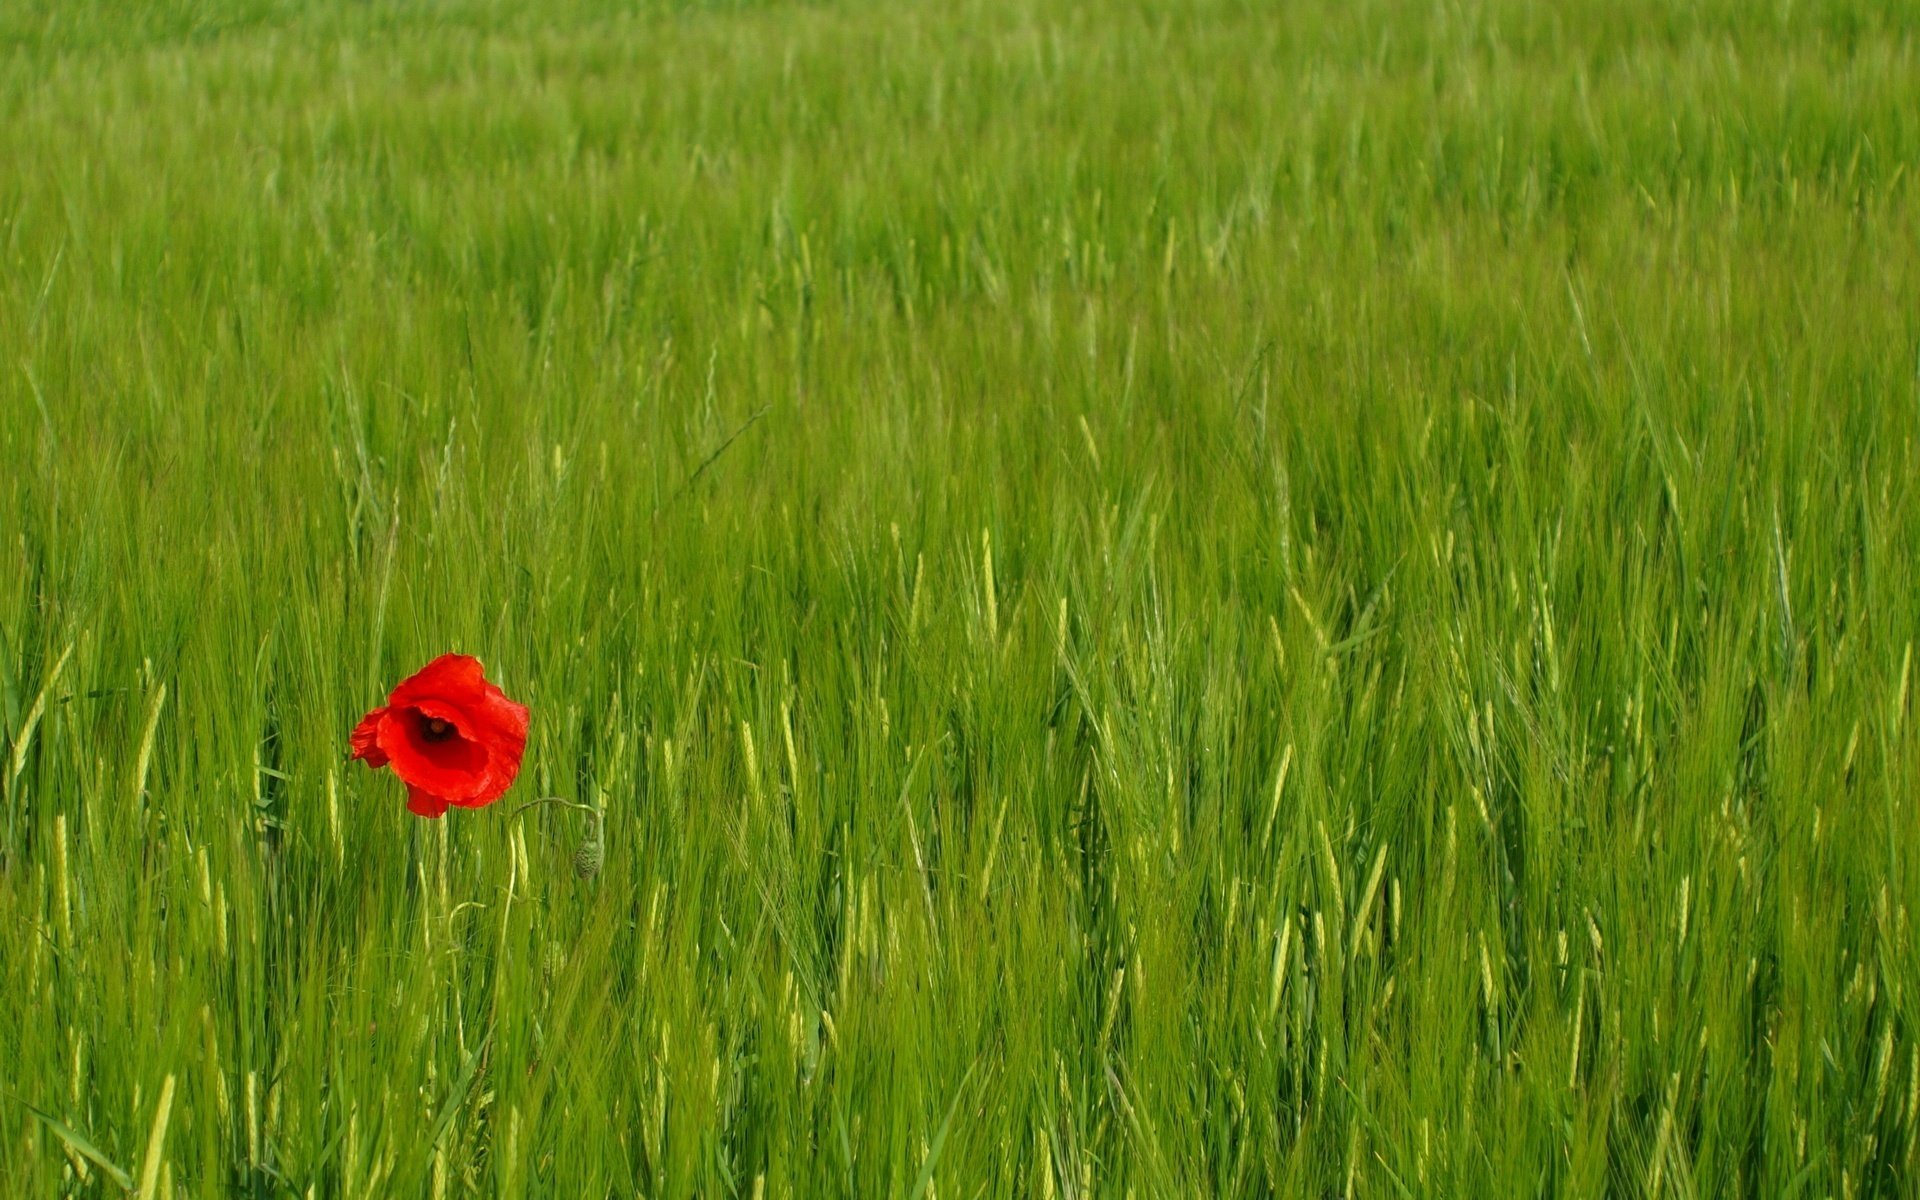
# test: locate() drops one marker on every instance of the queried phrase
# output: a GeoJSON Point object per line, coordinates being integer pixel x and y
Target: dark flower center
{"type": "Point", "coordinates": [433, 729]}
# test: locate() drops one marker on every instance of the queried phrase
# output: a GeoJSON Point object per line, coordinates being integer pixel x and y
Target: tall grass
{"type": "Point", "coordinates": [1194, 598]}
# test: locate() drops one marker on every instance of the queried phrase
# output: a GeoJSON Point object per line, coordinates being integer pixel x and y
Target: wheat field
{"type": "Point", "coordinates": [1160, 597]}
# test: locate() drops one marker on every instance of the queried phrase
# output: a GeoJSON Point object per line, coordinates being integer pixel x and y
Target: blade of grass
{"type": "Point", "coordinates": [81, 1144]}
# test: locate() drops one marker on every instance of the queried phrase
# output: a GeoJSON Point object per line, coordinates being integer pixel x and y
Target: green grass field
{"type": "Point", "coordinates": [1164, 597]}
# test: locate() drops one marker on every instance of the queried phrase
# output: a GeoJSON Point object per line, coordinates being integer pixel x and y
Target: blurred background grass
{"type": "Point", "coordinates": [1162, 598]}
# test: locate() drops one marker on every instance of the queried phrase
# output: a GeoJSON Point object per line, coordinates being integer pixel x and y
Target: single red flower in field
{"type": "Point", "coordinates": [451, 736]}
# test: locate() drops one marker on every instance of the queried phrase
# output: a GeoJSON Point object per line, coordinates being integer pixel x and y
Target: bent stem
{"type": "Point", "coordinates": [552, 800]}
{"type": "Point", "coordinates": [591, 852]}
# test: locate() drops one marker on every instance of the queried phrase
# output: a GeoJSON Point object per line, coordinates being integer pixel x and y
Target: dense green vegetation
{"type": "Point", "coordinates": [1163, 598]}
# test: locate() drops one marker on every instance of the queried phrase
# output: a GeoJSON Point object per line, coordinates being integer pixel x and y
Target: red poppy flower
{"type": "Point", "coordinates": [451, 736]}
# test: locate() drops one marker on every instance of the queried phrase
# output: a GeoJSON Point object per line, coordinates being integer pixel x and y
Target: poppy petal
{"type": "Point", "coordinates": [455, 677]}
{"type": "Point", "coordinates": [507, 717]}
{"type": "Point", "coordinates": [503, 766]}
{"type": "Point", "coordinates": [453, 737]}
{"type": "Point", "coordinates": [460, 680]}
{"type": "Point", "coordinates": [365, 739]}
{"type": "Point", "coordinates": [453, 766]}
{"type": "Point", "coordinates": [422, 803]}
